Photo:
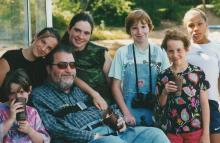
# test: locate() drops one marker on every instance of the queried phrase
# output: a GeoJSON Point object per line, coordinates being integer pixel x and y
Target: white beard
{"type": "Point", "coordinates": [64, 82]}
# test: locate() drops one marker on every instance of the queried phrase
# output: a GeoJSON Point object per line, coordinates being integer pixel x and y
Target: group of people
{"type": "Point", "coordinates": [70, 82]}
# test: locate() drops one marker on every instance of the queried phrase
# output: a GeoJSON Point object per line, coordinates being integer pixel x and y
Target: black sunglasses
{"type": "Point", "coordinates": [64, 65]}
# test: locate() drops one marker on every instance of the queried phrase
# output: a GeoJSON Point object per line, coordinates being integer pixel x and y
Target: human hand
{"type": "Point", "coordinates": [24, 126]}
{"type": "Point", "coordinates": [121, 124]}
{"type": "Point", "coordinates": [205, 138]}
{"type": "Point", "coordinates": [15, 107]}
{"type": "Point", "coordinates": [99, 102]}
{"type": "Point", "coordinates": [130, 119]}
{"type": "Point", "coordinates": [170, 86]}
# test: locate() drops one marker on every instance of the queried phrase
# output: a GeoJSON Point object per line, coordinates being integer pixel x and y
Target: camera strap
{"type": "Point", "coordinates": [136, 74]}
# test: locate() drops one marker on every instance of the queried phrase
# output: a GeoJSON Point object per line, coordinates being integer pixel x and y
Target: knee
{"type": "Point", "coordinates": [157, 131]}
{"type": "Point", "coordinates": [108, 139]}
{"type": "Point", "coordinates": [157, 135]}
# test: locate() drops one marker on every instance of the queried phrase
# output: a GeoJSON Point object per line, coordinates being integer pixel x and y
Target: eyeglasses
{"type": "Point", "coordinates": [64, 65]}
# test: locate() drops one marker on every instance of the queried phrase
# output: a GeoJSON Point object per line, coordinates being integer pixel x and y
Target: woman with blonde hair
{"type": "Point", "coordinates": [206, 55]}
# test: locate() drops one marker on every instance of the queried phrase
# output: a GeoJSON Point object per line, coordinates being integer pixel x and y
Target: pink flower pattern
{"type": "Point", "coordinates": [13, 135]}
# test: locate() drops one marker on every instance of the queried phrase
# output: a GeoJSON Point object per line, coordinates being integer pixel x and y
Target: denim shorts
{"type": "Point", "coordinates": [214, 117]}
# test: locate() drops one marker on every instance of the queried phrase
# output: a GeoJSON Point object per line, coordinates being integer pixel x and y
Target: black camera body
{"type": "Point", "coordinates": [143, 100]}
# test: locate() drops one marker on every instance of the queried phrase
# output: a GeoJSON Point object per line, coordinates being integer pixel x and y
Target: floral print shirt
{"type": "Point", "coordinates": [13, 135]}
{"type": "Point", "coordinates": [184, 110]}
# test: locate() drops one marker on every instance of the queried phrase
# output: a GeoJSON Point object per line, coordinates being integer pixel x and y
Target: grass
{"type": "Point", "coordinates": [109, 33]}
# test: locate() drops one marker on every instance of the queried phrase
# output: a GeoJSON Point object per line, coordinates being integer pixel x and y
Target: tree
{"type": "Point", "coordinates": [84, 4]}
{"type": "Point", "coordinates": [216, 8]}
{"type": "Point", "coordinates": [204, 5]}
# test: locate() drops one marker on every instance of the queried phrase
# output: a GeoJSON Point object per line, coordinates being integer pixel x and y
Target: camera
{"type": "Point", "coordinates": [150, 100]}
{"type": "Point", "coordinates": [138, 100]}
{"type": "Point", "coordinates": [143, 100]}
{"type": "Point", "coordinates": [21, 116]}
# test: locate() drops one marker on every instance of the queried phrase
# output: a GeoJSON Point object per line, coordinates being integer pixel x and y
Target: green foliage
{"type": "Point", "coordinates": [189, 2]}
{"type": "Point", "coordinates": [60, 23]}
{"type": "Point", "coordinates": [63, 6]}
{"type": "Point", "coordinates": [109, 33]}
{"type": "Point", "coordinates": [150, 6]}
{"type": "Point", "coordinates": [63, 10]}
{"type": "Point", "coordinates": [216, 8]}
{"type": "Point", "coordinates": [162, 9]}
{"type": "Point", "coordinates": [11, 17]}
{"type": "Point", "coordinates": [107, 12]}
{"type": "Point", "coordinates": [113, 12]}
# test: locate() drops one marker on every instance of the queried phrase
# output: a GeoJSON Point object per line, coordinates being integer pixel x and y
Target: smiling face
{"type": "Point", "coordinates": [197, 27]}
{"type": "Point", "coordinates": [62, 77]}
{"type": "Point", "coordinates": [79, 34]}
{"type": "Point", "coordinates": [43, 46]}
{"type": "Point", "coordinates": [139, 32]}
{"type": "Point", "coordinates": [176, 52]}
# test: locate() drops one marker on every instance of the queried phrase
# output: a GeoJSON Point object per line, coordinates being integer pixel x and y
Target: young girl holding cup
{"type": "Point", "coordinates": [188, 112]}
{"type": "Point", "coordinates": [17, 85]}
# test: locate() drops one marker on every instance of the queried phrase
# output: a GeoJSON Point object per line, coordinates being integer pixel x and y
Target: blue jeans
{"type": "Point", "coordinates": [129, 83]}
{"type": "Point", "coordinates": [132, 135]}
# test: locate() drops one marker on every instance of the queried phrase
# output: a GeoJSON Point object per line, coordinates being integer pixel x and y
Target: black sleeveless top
{"type": "Point", "coordinates": [35, 69]}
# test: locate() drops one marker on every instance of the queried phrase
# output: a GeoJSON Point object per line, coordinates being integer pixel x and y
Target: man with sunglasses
{"type": "Point", "coordinates": [69, 115]}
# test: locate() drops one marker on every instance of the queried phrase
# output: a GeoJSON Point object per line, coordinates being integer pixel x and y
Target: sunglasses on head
{"type": "Point", "coordinates": [64, 65]}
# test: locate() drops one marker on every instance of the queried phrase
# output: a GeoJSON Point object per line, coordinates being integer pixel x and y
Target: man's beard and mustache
{"type": "Point", "coordinates": [64, 82]}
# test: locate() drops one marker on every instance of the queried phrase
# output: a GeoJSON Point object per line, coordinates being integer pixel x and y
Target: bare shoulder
{"type": "Point", "coordinates": [4, 69]}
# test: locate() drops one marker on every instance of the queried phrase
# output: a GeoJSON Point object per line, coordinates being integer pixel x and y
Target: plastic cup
{"type": "Point", "coordinates": [21, 116]}
{"type": "Point", "coordinates": [179, 82]}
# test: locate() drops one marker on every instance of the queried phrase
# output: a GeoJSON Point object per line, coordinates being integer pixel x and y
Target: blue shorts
{"type": "Point", "coordinates": [214, 117]}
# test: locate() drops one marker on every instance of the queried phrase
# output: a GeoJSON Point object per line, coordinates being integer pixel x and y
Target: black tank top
{"type": "Point", "coordinates": [35, 69]}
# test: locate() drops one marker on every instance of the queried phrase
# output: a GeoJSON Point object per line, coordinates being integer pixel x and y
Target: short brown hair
{"type": "Point", "coordinates": [136, 16]}
{"type": "Point", "coordinates": [175, 35]}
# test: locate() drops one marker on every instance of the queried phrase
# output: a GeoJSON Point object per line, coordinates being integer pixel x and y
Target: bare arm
{"type": "Point", "coordinates": [106, 67]}
{"type": "Point", "coordinates": [35, 136]}
{"type": "Point", "coordinates": [205, 116]}
{"type": "Point", "coordinates": [98, 101]}
{"type": "Point", "coordinates": [163, 97]}
{"type": "Point", "coordinates": [3, 70]}
{"type": "Point", "coordinates": [117, 94]}
{"type": "Point", "coordinates": [14, 109]}
{"type": "Point", "coordinates": [7, 126]}
{"type": "Point", "coordinates": [169, 87]}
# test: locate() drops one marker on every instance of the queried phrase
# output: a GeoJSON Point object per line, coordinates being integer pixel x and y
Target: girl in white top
{"type": "Point", "coordinates": [206, 55]}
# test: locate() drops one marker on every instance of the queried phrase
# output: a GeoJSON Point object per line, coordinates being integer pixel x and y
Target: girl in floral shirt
{"type": "Point", "coordinates": [31, 130]}
{"type": "Point", "coordinates": [187, 101]}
